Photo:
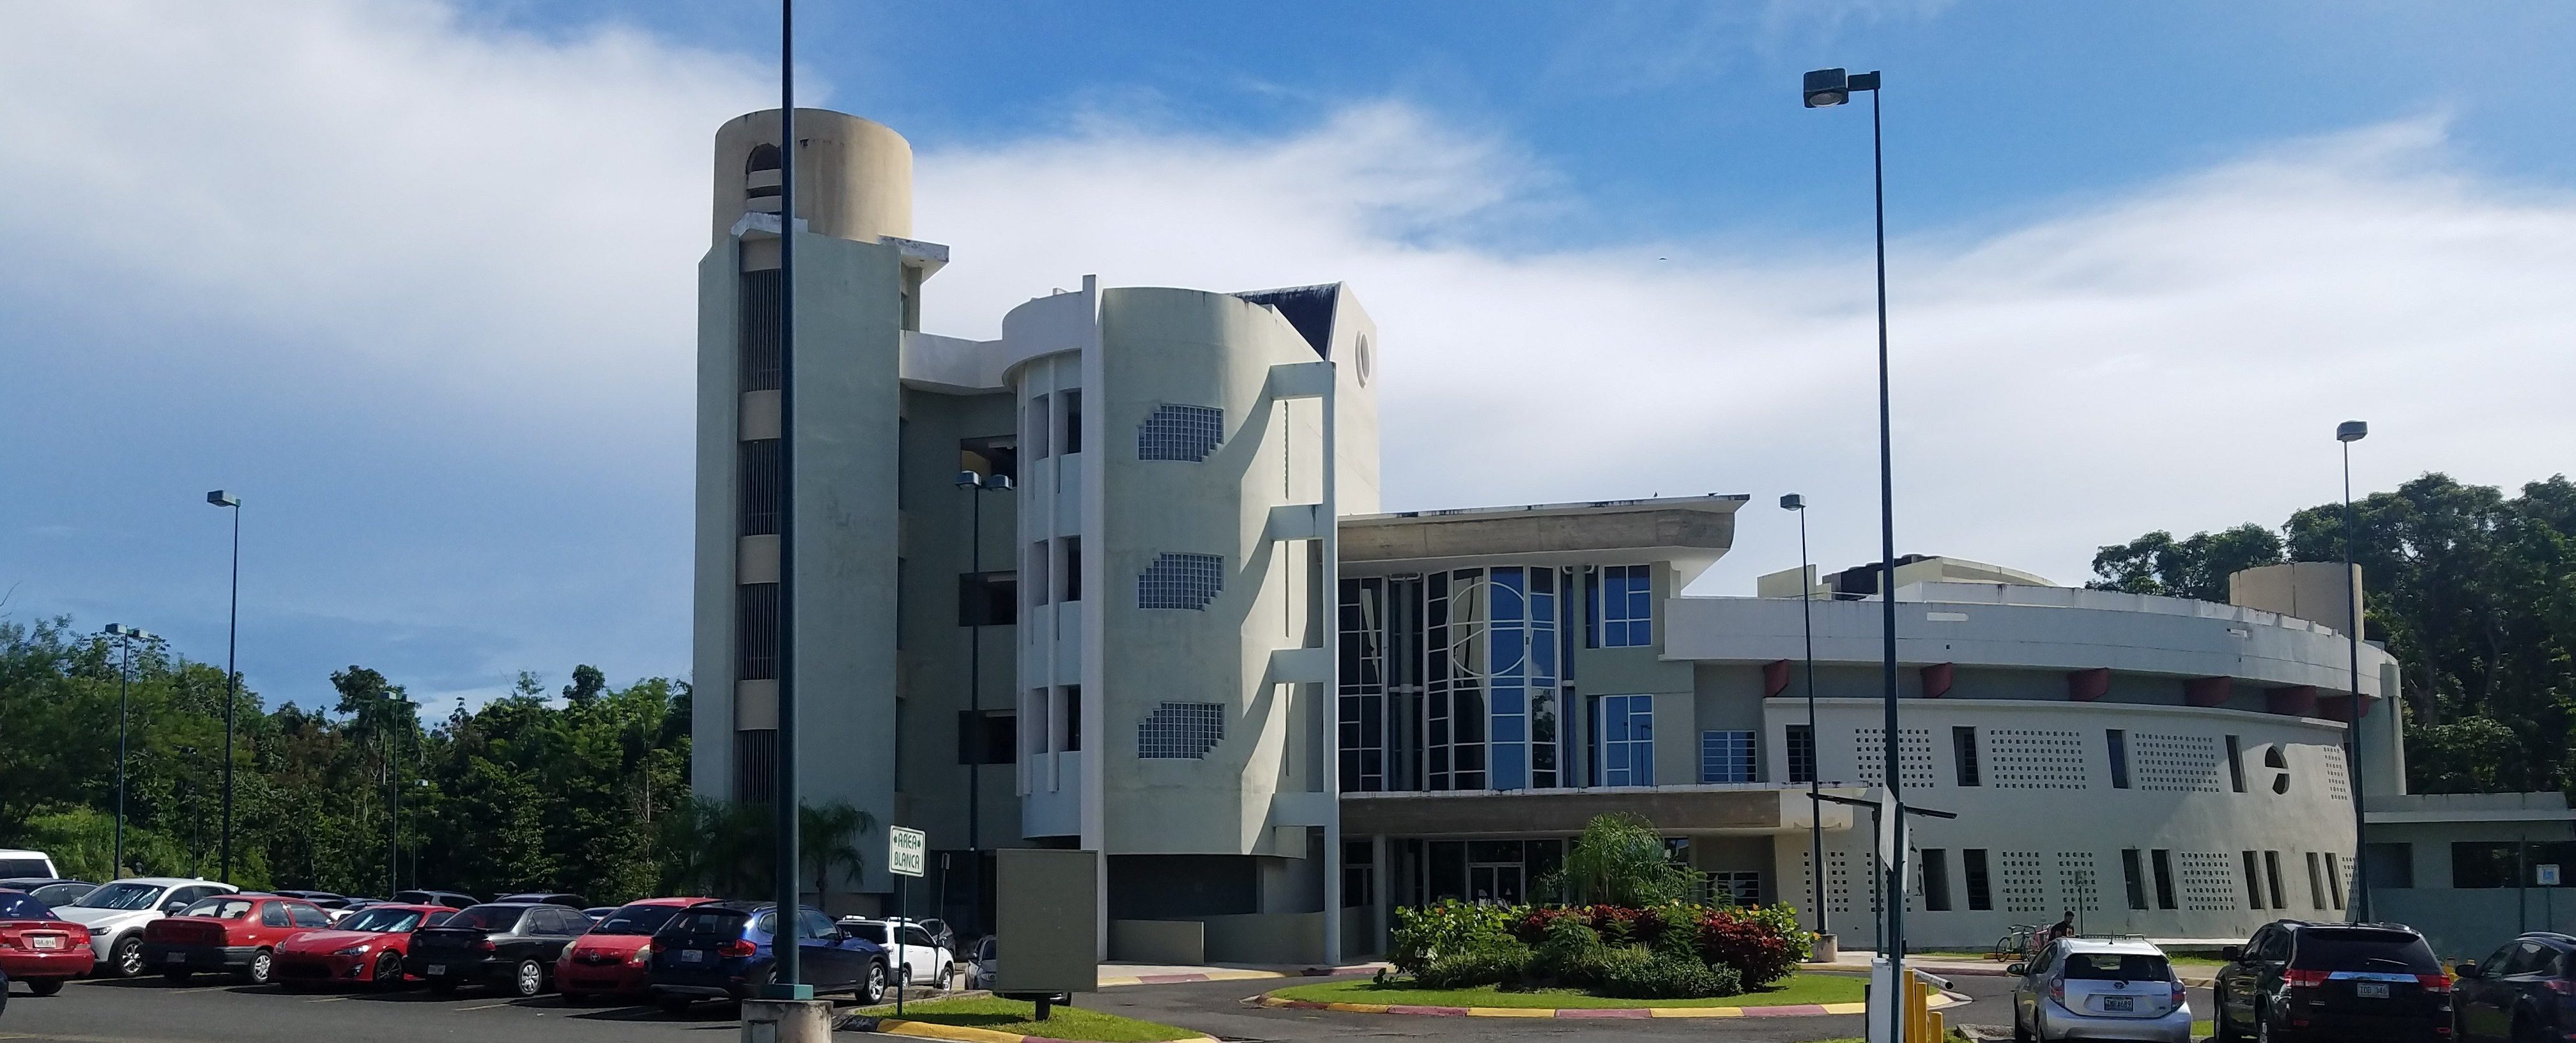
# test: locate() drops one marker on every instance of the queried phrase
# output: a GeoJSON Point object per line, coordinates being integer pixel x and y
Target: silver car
{"type": "Point", "coordinates": [2094, 988]}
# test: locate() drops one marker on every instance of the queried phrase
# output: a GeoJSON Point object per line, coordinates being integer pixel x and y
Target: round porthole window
{"type": "Point", "coordinates": [1365, 357]}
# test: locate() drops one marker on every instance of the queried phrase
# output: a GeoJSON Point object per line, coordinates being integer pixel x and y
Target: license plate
{"type": "Point", "coordinates": [691, 956]}
{"type": "Point", "coordinates": [176, 957]}
{"type": "Point", "coordinates": [48, 943]}
{"type": "Point", "coordinates": [2120, 1004]}
{"type": "Point", "coordinates": [434, 970]}
{"type": "Point", "coordinates": [2370, 990]}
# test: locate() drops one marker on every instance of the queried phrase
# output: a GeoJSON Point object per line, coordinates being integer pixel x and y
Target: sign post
{"type": "Point", "coordinates": [904, 849]}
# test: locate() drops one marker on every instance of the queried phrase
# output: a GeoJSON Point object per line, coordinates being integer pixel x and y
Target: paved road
{"type": "Point", "coordinates": [148, 1011]}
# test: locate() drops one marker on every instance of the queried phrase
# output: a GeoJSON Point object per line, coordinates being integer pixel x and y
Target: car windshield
{"type": "Point", "coordinates": [721, 922]}
{"type": "Point", "coordinates": [2363, 949]}
{"type": "Point", "coordinates": [382, 920]}
{"type": "Point", "coordinates": [487, 917]}
{"type": "Point", "coordinates": [637, 919]}
{"type": "Point", "coordinates": [220, 907]}
{"type": "Point", "coordinates": [121, 896]}
{"type": "Point", "coordinates": [2115, 966]}
{"type": "Point", "coordinates": [868, 932]}
{"type": "Point", "coordinates": [24, 867]}
{"type": "Point", "coordinates": [23, 907]}
{"type": "Point", "coordinates": [60, 894]}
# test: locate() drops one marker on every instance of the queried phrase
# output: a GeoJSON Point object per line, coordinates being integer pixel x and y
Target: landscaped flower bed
{"type": "Point", "coordinates": [1675, 950]}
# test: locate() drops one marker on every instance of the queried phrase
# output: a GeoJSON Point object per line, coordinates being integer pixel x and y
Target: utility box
{"type": "Point", "coordinates": [1048, 908]}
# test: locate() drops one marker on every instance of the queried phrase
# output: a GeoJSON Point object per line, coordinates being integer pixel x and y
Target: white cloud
{"type": "Point", "coordinates": [505, 227]}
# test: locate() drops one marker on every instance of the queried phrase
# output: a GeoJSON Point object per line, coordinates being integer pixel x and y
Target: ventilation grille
{"type": "Point", "coordinates": [1180, 731]}
{"type": "Point", "coordinates": [2030, 758]}
{"type": "Point", "coordinates": [2025, 887]}
{"type": "Point", "coordinates": [2338, 784]}
{"type": "Point", "coordinates": [2208, 881]}
{"type": "Point", "coordinates": [1187, 581]}
{"type": "Point", "coordinates": [1913, 757]}
{"type": "Point", "coordinates": [1180, 433]}
{"type": "Point", "coordinates": [1838, 882]}
{"type": "Point", "coordinates": [2176, 763]}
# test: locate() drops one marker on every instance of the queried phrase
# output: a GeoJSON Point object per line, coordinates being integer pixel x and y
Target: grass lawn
{"type": "Point", "coordinates": [1797, 989]}
{"type": "Point", "coordinates": [1012, 1016]}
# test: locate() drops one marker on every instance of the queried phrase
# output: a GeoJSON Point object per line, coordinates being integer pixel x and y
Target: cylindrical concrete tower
{"type": "Point", "coordinates": [853, 178]}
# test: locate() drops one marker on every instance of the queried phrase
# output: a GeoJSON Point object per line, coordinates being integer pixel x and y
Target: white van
{"type": "Point", "coordinates": [26, 865]}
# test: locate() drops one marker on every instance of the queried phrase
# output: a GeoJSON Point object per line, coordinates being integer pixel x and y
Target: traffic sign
{"type": "Point", "coordinates": [905, 851]}
{"type": "Point", "coordinates": [2548, 875]}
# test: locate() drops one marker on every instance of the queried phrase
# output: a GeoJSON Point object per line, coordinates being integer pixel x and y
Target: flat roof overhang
{"type": "Point", "coordinates": [1692, 532]}
{"type": "Point", "coordinates": [1675, 810]}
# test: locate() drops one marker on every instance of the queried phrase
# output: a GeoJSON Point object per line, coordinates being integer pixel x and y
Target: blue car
{"type": "Point", "coordinates": [722, 950]}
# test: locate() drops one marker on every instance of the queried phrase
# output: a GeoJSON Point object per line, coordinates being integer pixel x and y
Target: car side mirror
{"type": "Point", "coordinates": [2466, 970]}
{"type": "Point", "coordinates": [2232, 953]}
{"type": "Point", "coordinates": [2018, 969]}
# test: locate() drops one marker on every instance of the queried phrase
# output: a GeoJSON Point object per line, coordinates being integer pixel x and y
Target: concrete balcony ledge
{"type": "Point", "coordinates": [1722, 808]}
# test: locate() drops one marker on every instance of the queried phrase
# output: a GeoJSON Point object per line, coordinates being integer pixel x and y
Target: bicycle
{"type": "Point", "coordinates": [2016, 946]}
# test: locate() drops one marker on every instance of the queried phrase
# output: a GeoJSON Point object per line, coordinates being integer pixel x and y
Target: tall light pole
{"type": "Point", "coordinates": [232, 679]}
{"type": "Point", "coordinates": [1807, 619]}
{"type": "Point", "coordinates": [394, 781]}
{"type": "Point", "coordinates": [125, 637]}
{"type": "Point", "coordinates": [976, 486]}
{"type": "Point", "coordinates": [1824, 88]}
{"type": "Point", "coordinates": [2348, 432]}
{"type": "Point", "coordinates": [791, 984]}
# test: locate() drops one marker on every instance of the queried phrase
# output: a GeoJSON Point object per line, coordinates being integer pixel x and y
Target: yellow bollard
{"type": "Point", "coordinates": [1914, 1009]}
{"type": "Point", "coordinates": [1940, 1031]}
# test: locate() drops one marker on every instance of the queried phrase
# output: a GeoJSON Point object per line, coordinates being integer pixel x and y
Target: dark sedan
{"type": "Point", "coordinates": [723, 950]}
{"type": "Point", "coordinates": [509, 945]}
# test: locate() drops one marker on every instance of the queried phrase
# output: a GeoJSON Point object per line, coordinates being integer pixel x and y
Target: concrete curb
{"type": "Point", "coordinates": [962, 1034]}
{"type": "Point", "coordinates": [1233, 974]}
{"type": "Point", "coordinates": [1794, 1010]}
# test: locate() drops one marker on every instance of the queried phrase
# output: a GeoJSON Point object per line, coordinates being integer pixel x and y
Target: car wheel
{"type": "Point", "coordinates": [529, 980]}
{"type": "Point", "coordinates": [125, 958]}
{"type": "Point", "coordinates": [872, 985]}
{"type": "Point", "coordinates": [2021, 1032]}
{"type": "Point", "coordinates": [263, 966]}
{"type": "Point", "coordinates": [44, 986]}
{"type": "Point", "coordinates": [387, 973]}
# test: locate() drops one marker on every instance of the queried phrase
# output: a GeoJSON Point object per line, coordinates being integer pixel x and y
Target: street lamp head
{"type": "Point", "coordinates": [221, 498]}
{"type": "Point", "coordinates": [116, 630]}
{"type": "Point", "coordinates": [969, 480]}
{"type": "Point", "coordinates": [1000, 483]}
{"type": "Point", "coordinates": [2351, 431]}
{"type": "Point", "coordinates": [1827, 87]}
{"type": "Point", "coordinates": [1793, 502]}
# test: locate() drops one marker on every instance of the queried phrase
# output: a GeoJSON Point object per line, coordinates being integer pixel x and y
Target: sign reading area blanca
{"type": "Point", "coordinates": [904, 850]}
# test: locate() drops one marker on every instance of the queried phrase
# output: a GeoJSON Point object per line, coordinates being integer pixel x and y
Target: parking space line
{"type": "Point", "coordinates": [336, 999]}
{"type": "Point", "coordinates": [486, 1006]}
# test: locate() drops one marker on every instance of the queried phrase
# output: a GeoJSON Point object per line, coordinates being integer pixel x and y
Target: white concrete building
{"type": "Point", "coordinates": [1130, 652]}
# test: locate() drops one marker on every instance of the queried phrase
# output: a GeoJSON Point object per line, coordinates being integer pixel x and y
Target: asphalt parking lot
{"type": "Point", "coordinates": [151, 1011]}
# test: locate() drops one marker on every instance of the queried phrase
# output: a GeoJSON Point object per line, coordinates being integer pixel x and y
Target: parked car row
{"type": "Point", "coordinates": [672, 951]}
{"type": "Point", "coordinates": [2302, 980]}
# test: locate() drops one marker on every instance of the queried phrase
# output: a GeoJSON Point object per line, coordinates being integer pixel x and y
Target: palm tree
{"type": "Point", "coordinates": [828, 839]}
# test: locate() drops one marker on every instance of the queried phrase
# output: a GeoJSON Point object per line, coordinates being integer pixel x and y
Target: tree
{"type": "Point", "coordinates": [2198, 567]}
{"type": "Point", "coordinates": [828, 838]}
{"type": "Point", "coordinates": [587, 683]}
{"type": "Point", "coordinates": [1620, 860]}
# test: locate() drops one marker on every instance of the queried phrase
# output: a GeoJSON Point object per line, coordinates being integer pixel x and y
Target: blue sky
{"type": "Point", "coordinates": [412, 277]}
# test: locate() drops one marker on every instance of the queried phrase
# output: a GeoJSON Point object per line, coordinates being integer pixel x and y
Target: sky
{"type": "Point", "coordinates": [413, 278]}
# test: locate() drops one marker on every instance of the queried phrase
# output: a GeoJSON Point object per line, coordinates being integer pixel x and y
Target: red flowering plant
{"type": "Point", "coordinates": [1763, 944]}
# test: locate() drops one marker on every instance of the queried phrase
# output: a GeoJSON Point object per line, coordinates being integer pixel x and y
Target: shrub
{"type": "Point", "coordinates": [1677, 933]}
{"type": "Point", "coordinates": [1763, 944]}
{"type": "Point", "coordinates": [1422, 936]}
{"type": "Point", "coordinates": [1620, 859]}
{"type": "Point", "coordinates": [1493, 961]}
{"type": "Point", "coordinates": [1638, 973]}
{"type": "Point", "coordinates": [1567, 952]}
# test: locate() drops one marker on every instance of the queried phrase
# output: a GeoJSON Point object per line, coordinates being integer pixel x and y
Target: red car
{"type": "Point", "coordinates": [368, 946]}
{"type": "Point", "coordinates": [38, 947]}
{"type": "Point", "coordinates": [613, 958]}
{"type": "Point", "coordinates": [236, 933]}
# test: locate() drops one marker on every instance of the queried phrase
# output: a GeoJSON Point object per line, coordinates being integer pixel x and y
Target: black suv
{"type": "Point", "coordinates": [2297, 980]}
{"type": "Point", "coordinates": [509, 944]}
{"type": "Point", "coordinates": [2526, 991]}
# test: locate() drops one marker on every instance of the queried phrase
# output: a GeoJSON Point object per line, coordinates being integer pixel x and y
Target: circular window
{"type": "Point", "coordinates": [1366, 358]}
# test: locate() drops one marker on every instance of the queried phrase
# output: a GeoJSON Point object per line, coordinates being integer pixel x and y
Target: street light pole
{"type": "Point", "coordinates": [2348, 432]}
{"type": "Point", "coordinates": [125, 636]}
{"type": "Point", "coordinates": [790, 982]}
{"type": "Point", "coordinates": [394, 780]}
{"type": "Point", "coordinates": [1807, 619]}
{"type": "Point", "coordinates": [1828, 87]}
{"type": "Point", "coordinates": [232, 679]}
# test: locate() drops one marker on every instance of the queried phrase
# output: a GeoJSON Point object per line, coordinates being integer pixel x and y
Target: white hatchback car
{"type": "Point", "coordinates": [925, 961]}
{"type": "Point", "coordinates": [116, 911]}
{"type": "Point", "coordinates": [2099, 988]}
